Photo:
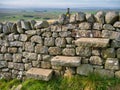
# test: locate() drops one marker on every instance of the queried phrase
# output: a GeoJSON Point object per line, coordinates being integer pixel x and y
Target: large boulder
{"type": "Point", "coordinates": [100, 17]}
{"type": "Point", "coordinates": [41, 24]}
{"type": "Point", "coordinates": [111, 17]}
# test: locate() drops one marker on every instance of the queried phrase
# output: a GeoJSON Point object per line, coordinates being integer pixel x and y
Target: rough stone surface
{"type": "Point", "coordinates": [108, 53]}
{"type": "Point", "coordinates": [55, 51]}
{"type": "Point", "coordinates": [36, 39]}
{"type": "Point", "coordinates": [60, 42]}
{"type": "Point", "coordinates": [3, 64]}
{"type": "Point", "coordinates": [41, 24]}
{"type": "Point", "coordinates": [12, 49]}
{"type": "Point", "coordinates": [108, 27]}
{"type": "Point", "coordinates": [23, 37]}
{"type": "Point", "coordinates": [19, 66]}
{"type": "Point", "coordinates": [29, 46]}
{"type": "Point", "coordinates": [104, 72]}
{"type": "Point", "coordinates": [17, 57]}
{"type": "Point", "coordinates": [68, 51]}
{"type": "Point", "coordinates": [66, 61]}
{"type": "Point", "coordinates": [41, 49]}
{"type": "Point", "coordinates": [96, 60]}
{"type": "Point", "coordinates": [92, 42]}
{"type": "Point", "coordinates": [85, 26]}
{"type": "Point", "coordinates": [25, 25]}
{"type": "Point", "coordinates": [100, 17]}
{"type": "Point", "coordinates": [45, 65]}
{"type": "Point", "coordinates": [117, 24]}
{"type": "Point", "coordinates": [115, 44]}
{"type": "Point", "coordinates": [96, 52]}
{"type": "Point", "coordinates": [38, 73]}
{"type": "Point", "coordinates": [112, 64]}
{"type": "Point", "coordinates": [117, 74]}
{"type": "Point", "coordinates": [118, 53]}
{"type": "Point", "coordinates": [16, 44]}
{"type": "Point", "coordinates": [111, 34]}
{"type": "Point", "coordinates": [80, 16]}
{"type": "Point", "coordinates": [90, 18]}
{"type": "Point", "coordinates": [85, 69]}
{"type": "Point", "coordinates": [83, 51]}
{"type": "Point", "coordinates": [65, 34]}
{"type": "Point", "coordinates": [97, 26]}
{"type": "Point", "coordinates": [8, 57]}
{"type": "Point", "coordinates": [111, 17]}
{"type": "Point", "coordinates": [31, 56]}
{"type": "Point", "coordinates": [49, 41]}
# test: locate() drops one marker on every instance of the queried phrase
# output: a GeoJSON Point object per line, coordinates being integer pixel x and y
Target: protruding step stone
{"type": "Point", "coordinates": [92, 42]}
{"type": "Point", "coordinates": [66, 61]}
{"type": "Point", "coordinates": [38, 73]}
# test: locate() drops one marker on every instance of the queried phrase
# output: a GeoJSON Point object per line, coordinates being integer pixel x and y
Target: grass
{"type": "Point", "coordinates": [92, 82]}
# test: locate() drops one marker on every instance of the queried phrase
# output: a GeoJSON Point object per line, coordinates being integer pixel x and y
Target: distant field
{"type": "Point", "coordinates": [35, 14]}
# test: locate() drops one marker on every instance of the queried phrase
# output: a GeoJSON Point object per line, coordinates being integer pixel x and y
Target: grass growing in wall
{"type": "Point", "coordinates": [92, 82]}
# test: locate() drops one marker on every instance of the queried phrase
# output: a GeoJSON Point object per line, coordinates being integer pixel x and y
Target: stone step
{"type": "Point", "coordinates": [92, 42]}
{"type": "Point", "coordinates": [66, 61]}
{"type": "Point", "coordinates": [40, 74]}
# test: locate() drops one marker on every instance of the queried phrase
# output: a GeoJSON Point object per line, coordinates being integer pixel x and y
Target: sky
{"type": "Point", "coordinates": [59, 3]}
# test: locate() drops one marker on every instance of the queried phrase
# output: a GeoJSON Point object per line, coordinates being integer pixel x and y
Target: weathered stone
{"type": "Point", "coordinates": [69, 72]}
{"type": "Point", "coordinates": [54, 34]}
{"type": "Point", "coordinates": [10, 64]}
{"type": "Point", "coordinates": [70, 46]}
{"type": "Point", "coordinates": [69, 51]}
{"type": "Point", "coordinates": [108, 27]}
{"type": "Point", "coordinates": [111, 34]}
{"type": "Point", "coordinates": [117, 74]}
{"type": "Point", "coordinates": [104, 72]}
{"type": "Point", "coordinates": [98, 67]}
{"type": "Point", "coordinates": [117, 24]}
{"type": "Point", "coordinates": [31, 32]}
{"type": "Point", "coordinates": [31, 56]}
{"type": "Point", "coordinates": [54, 51]}
{"type": "Point", "coordinates": [96, 52]}
{"type": "Point", "coordinates": [61, 18]}
{"type": "Point", "coordinates": [28, 66]}
{"type": "Point", "coordinates": [84, 69]}
{"type": "Point", "coordinates": [72, 18]}
{"type": "Point", "coordinates": [3, 49]}
{"type": "Point", "coordinates": [6, 75]}
{"type": "Point", "coordinates": [80, 16]}
{"type": "Point", "coordinates": [69, 40]}
{"type": "Point", "coordinates": [47, 34]}
{"type": "Point", "coordinates": [16, 44]}
{"type": "Point", "coordinates": [92, 42]}
{"type": "Point", "coordinates": [1, 27]}
{"type": "Point", "coordinates": [85, 60]}
{"type": "Point", "coordinates": [41, 24]}
{"type": "Point", "coordinates": [46, 57]}
{"type": "Point", "coordinates": [19, 30]}
{"type": "Point", "coordinates": [66, 61]}
{"type": "Point", "coordinates": [35, 63]}
{"type": "Point", "coordinates": [115, 44]}
{"type": "Point", "coordinates": [65, 34]}
{"type": "Point", "coordinates": [49, 41]}
{"type": "Point", "coordinates": [25, 25]}
{"type": "Point", "coordinates": [11, 37]}
{"type": "Point", "coordinates": [8, 57]}
{"type": "Point", "coordinates": [12, 49]}
{"type": "Point", "coordinates": [37, 39]}
{"type": "Point", "coordinates": [96, 60]}
{"type": "Point", "coordinates": [16, 37]}
{"type": "Point", "coordinates": [38, 73]}
{"type": "Point", "coordinates": [111, 17]}
{"type": "Point", "coordinates": [23, 37]}
{"type": "Point", "coordinates": [97, 26]}
{"type": "Point", "coordinates": [112, 64]}
{"type": "Point", "coordinates": [56, 28]}
{"type": "Point", "coordinates": [85, 26]}
{"type": "Point", "coordinates": [6, 30]}
{"type": "Point", "coordinates": [90, 18]}
{"type": "Point", "coordinates": [29, 46]}
{"type": "Point", "coordinates": [60, 42]}
{"type": "Point", "coordinates": [39, 58]}
{"type": "Point", "coordinates": [17, 57]}
{"type": "Point", "coordinates": [1, 57]}
{"type": "Point", "coordinates": [88, 33]}
{"type": "Point", "coordinates": [41, 49]}
{"type": "Point", "coordinates": [32, 23]}
{"type": "Point", "coordinates": [83, 51]}
{"type": "Point", "coordinates": [108, 53]}
{"type": "Point", "coordinates": [100, 17]}
{"type": "Point", "coordinates": [45, 64]}
{"type": "Point", "coordinates": [19, 66]}
{"type": "Point", "coordinates": [3, 64]}
{"type": "Point", "coordinates": [118, 53]}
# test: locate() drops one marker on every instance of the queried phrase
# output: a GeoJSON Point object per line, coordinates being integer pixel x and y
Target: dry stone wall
{"type": "Point", "coordinates": [89, 43]}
